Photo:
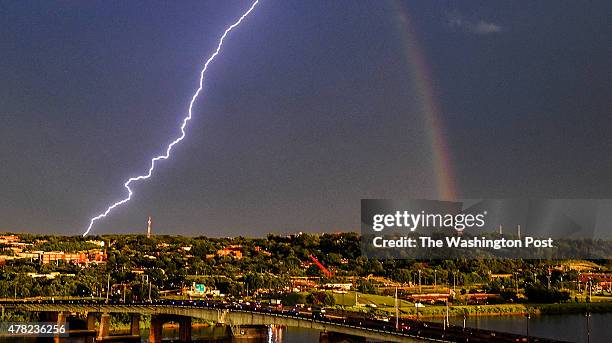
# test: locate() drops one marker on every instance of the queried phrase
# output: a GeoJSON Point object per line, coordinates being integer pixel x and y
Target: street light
{"type": "Point", "coordinates": [516, 280]}
{"type": "Point", "coordinates": [435, 278]}
{"type": "Point", "coordinates": [528, 316]}
{"type": "Point", "coordinates": [396, 312]}
{"type": "Point", "coordinates": [107, 287]}
{"type": "Point", "coordinates": [588, 324]}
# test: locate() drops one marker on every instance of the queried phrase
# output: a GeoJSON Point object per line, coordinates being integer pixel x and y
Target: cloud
{"type": "Point", "coordinates": [481, 27]}
{"type": "Point", "coordinates": [484, 28]}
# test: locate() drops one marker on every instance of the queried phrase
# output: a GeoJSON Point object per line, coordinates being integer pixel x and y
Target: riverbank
{"type": "Point", "coordinates": [507, 309]}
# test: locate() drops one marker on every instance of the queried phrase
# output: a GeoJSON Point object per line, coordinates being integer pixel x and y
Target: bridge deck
{"type": "Point", "coordinates": [413, 331]}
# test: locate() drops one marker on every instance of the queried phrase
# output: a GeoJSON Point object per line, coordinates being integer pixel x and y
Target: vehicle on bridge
{"type": "Point", "coordinates": [358, 322]}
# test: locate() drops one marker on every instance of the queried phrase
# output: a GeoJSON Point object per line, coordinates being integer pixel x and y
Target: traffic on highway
{"type": "Point", "coordinates": [363, 321]}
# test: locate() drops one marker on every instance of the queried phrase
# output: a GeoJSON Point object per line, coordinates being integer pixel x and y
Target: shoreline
{"type": "Point", "coordinates": [510, 310]}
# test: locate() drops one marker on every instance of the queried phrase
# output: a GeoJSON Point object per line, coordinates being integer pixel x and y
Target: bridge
{"type": "Point", "coordinates": [237, 315]}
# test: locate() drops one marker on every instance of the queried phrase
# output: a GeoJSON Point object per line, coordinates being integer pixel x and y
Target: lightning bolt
{"type": "Point", "coordinates": [183, 126]}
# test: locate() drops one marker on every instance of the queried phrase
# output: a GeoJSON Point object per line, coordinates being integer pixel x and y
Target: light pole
{"type": "Point", "coordinates": [528, 316]}
{"type": "Point", "coordinates": [435, 278]}
{"type": "Point", "coordinates": [588, 324]}
{"type": "Point", "coordinates": [447, 314]}
{"type": "Point", "coordinates": [107, 287]}
{"type": "Point", "coordinates": [146, 276]}
{"type": "Point", "coordinates": [548, 278]}
{"type": "Point", "coordinates": [516, 280]}
{"type": "Point", "coordinates": [396, 312]}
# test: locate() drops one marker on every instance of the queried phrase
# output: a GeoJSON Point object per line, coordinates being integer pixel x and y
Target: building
{"type": "Point", "coordinates": [598, 280]}
{"type": "Point", "coordinates": [49, 276]}
{"type": "Point", "coordinates": [96, 255]}
{"type": "Point", "coordinates": [262, 251]}
{"type": "Point", "coordinates": [98, 243]}
{"type": "Point", "coordinates": [234, 251]}
{"type": "Point", "coordinates": [9, 239]}
{"type": "Point", "coordinates": [482, 298]}
{"type": "Point", "coordinates": [300, 283]}
{"type": "Point", "coordinates": [34, 255]}
{"type": "Point", "coordinates": [338, 286]}
{"type": "Point", "coordinates": [429, 297]}
{"type": "Point", "coordinates": [56, 256]}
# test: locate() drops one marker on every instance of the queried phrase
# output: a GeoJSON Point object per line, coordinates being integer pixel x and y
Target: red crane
{"type": "Point", "coordinates": [321, 266]}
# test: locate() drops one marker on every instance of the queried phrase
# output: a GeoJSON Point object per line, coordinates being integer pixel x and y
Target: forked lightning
{"type": "Point", "coordinates": [184, 124]}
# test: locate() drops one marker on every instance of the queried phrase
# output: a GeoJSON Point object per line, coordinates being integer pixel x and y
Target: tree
{"type": "Point", "coordinates": [540, 294]}
{"type": "Point", "coordinates": [321, 298]}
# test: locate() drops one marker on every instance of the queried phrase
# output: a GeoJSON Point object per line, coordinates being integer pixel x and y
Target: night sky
{"type": "Point", "coordinates": [310, 107]}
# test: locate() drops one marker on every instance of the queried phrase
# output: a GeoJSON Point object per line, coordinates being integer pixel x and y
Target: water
{"type": "Point", "coordinates": [200, 334]}
{"type": "Point", "coordinates": [568, 327]}
{"type": "Point", "coordinates": [219, 334]}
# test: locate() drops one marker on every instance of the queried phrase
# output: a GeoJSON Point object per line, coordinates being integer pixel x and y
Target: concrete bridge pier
{"type": "Point", "coordinates": [135, 324]}
{"type": "Point", "coordinates": [91, 321]}
{"type": "Point", "coordinates": [104, 330]}
{"type": "Point", "coordinates": [61, 320]}
{"type": "Point", "coordinates": [90, 325]}
{"type": "Point", "coordinates": [185, 329]}
{"type": "Point", "coordinates": [334, 337]}
{"type": "Point", "coordinates": [52, 317]}
{"type": "Point", "coordinates": [155, 331]}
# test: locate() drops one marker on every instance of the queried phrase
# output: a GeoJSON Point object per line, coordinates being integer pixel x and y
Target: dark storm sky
{"type": "Point", "coordinates": [310, 107]}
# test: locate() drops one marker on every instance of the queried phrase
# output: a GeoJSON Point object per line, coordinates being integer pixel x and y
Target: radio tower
{"type": "Point", "coordinates": [149, 222]}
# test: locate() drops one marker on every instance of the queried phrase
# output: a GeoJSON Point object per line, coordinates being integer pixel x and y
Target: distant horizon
{"type": "Point", "coordinates": [153, 234]}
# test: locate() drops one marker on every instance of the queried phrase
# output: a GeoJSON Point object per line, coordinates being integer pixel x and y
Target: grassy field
{"type": "Point", "coordinates": [348, 299]}
{"type": "Point", "coordinates": [497, 310]}
{"type": "Point", "coordinates": [386, 305]}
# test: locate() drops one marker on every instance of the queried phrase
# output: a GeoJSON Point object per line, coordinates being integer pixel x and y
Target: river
{"type": "Point", "coordinates": [568, 327]}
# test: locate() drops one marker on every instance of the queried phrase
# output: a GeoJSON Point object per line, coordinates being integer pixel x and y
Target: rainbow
{"type": "Point", "coordinates": [423, 82]}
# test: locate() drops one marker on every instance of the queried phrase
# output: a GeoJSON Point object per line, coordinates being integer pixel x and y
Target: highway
{"type": "Point", "coordinates": [333, 320]}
